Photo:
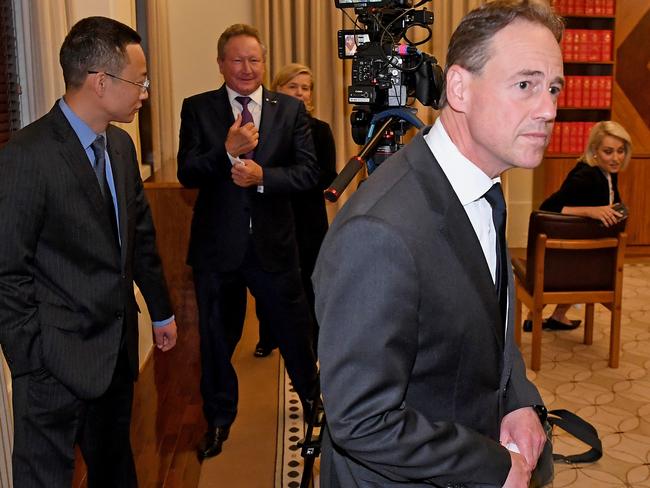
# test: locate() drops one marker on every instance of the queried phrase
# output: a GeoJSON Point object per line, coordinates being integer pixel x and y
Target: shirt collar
{"type": "Point", "coordinates": [85, 134]}
{"type": "Point", "coordinates": [256, 96]}
{"type": "Point", "coordinates": [467, 180]}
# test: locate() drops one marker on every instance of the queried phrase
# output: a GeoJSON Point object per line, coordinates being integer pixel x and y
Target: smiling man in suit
{"type": "Point", "coordinates": [422, 381]}
{"type": "Point", "coordinates": [246, 149]}
{"type": "Point", "coordinates": [76, 233]}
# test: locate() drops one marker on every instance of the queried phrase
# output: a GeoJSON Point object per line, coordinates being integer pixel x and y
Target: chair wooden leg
{"type": "Point", "coordinates": [536, 356]}
{"type": "Point", "coordinates": [615, 337]}
{"type": "Point", "coordinates": [517, 324]}
{"type": "Point", "coordinates": [589, 324]}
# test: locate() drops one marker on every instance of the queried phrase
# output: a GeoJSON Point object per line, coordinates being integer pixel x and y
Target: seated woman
{"type": "Point", "coordinates": [591, 190]}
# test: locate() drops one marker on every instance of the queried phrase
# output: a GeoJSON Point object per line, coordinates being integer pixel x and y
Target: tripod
{"type": "Point", "coordinates": [313, 436]}
{"type": "Point", "coordinates": [394, 123]}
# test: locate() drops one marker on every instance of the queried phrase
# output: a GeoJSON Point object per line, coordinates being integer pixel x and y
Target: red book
{"type": "Point", "coordinates": [586, 91]}
{"type": "Point", "coordinates": [583, 43]}
{"type": "Point", "coordinates": [564, 138]}
{"type": "Point", "coordinates": [589, 7]}
{"type": "Point", "coordinates": [610, 7]}
{"type": "Point", "coordinates": [574, 137]}
{"type": "Point", "coordinates": [602, 87]}
{"type": "Point", "coordinates": [608, 91]}
{"type": "Point", "coordinates": [553, 144]}
{"type": "Point", "coordinates": [567, 53]}
{"type": "Point", "coordinates": [599, 8]}
{"type": "Point", "coordinates": [586, 128]}
{"type": "Point", "coordinates": [606, 45]}
{"type": "Point", "coordinates": [570, 91]}
{"type": "Point", "coordinates": [594, 94]}
{"type": "Point", "coordinates": [594, 49]}
{"type": "Point", "coordinates": [570, 8]}
{"type": "Point", "coordinates": [580, 7]}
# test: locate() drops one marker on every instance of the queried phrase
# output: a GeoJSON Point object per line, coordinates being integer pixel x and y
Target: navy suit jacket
{"type": "Point", "coordinates": [65, 285]}
{"type": "Point", "coordinates": [224, 211]}
{"type": "Point", "coordinates": [416, 373]}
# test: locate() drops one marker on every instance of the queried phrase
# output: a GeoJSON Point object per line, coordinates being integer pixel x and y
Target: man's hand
{"type": "Point", "coordinates": [165, 336]}
{"type": "Point", "coordinates": [523, 428]}
{"type": "Point", "coordinates": [247, 173]}
{"type": "Point", "coordinates": [241, 139]}
{"type": "Point", "coordinates": [519, 474]}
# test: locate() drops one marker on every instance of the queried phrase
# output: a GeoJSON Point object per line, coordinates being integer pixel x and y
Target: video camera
{"type": "Point", "coordinates": [387, 77]}
{"type": "Point", "coordinates": [385, 72]}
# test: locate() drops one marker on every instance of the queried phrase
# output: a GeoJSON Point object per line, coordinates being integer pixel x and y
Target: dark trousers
{"type": "Point", "coordinates": [221, 299]}
{"type": "Point", "coordinates": [49, 420]}
{"type": "Point", "coordinates": [308, 252]}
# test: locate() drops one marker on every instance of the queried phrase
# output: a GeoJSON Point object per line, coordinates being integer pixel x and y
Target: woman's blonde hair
{"type": "Point", "coordinates": [596, 136]}
{"type": "Point", "coordinates": [288, 73]}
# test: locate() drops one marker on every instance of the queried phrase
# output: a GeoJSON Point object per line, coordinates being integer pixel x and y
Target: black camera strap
{"type": "Point", "coordinates": [581, 430]}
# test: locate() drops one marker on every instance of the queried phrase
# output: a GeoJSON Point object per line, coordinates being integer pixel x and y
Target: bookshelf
{"type": "Point", "coordinates": [587, 49]}
{"type": "Point", "coordinates": [622, 59]}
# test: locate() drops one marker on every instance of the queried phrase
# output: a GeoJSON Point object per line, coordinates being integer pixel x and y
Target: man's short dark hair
{"type": "Point", "coordinates": [469, 46]}
{"type": "Point", "coordinates": [95, 44]}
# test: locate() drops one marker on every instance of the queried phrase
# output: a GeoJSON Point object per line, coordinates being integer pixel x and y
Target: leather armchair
{"type": "Point", "coordinates": [570, 259]}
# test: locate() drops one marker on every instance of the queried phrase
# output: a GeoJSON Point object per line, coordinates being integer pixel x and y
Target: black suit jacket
{"type": "Point", "coordinates": [309, 206]}
{"type": "Point", "coordinates": [584, 186]}
{"type": "Point", "coordinates": [416, 374]}
{"type": "Point", "coordinates": [223, 210]}
{"type": "Point", "coordinates": [66, 287]}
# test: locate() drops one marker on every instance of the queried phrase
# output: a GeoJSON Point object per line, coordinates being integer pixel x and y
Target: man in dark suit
{"type": "Point", "coordinates": [422, 381]}
{"type": "Point", "coordinates": [246, 149]}
{"type": "Point", "coordinates": [76, 233]}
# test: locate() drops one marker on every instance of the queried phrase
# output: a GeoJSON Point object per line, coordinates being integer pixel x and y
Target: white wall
{"type": "Point", "coordinates": [195, 26]}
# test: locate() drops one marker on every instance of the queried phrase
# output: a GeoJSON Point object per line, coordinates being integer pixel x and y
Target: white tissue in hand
{"type": "Point", "coordinates": [511, 446]}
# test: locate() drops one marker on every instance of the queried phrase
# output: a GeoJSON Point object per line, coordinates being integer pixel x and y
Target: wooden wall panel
{"type": "Point", "coordinates": [633, 187]}
{"type": "Point", "coordinates": [171, 207]}
{"type": "Point", "coordinates": [631, 94]}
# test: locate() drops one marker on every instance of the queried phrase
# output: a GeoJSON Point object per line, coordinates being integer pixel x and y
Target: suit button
{"type": "Point", "coordinates": [118, 316]}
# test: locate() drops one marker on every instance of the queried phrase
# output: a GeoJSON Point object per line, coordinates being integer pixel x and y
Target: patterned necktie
{"type": "Point", "coordinates": [494, 196]}
{"type": "Point", "coordinates": [99, 150]}
{"type": "Point", "coordinates": [246, 117]}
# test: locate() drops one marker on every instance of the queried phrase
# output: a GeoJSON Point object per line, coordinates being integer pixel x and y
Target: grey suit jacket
{"type": "Point", "coordinates": [66, 287]}
{"type": "Point", "coordinates": [415, 373]}
{"type": "Point", "coordinates": [224, 211]}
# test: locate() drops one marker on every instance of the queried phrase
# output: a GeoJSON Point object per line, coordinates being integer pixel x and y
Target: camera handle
{"type": "Point", "coordinates": [389, 117]}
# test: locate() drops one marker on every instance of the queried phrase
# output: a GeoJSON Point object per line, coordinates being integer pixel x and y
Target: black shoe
{"type": "Point", "coordinates": [212, 442]}
{"type": "Point", "coordinates": [261, 351]}
{"type": "Point", "coordinates": [552, 324]}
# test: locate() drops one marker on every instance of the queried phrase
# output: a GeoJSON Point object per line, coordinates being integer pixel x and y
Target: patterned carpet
{"type": "Point", "coordinates": [573, 377]}
{"type": "Point", "coordinates": [616, 401]}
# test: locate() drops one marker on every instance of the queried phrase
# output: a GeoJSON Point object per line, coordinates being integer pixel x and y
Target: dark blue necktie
{"type": "Point", "coordinates": [246, 117]}
{"type": "Point", "coordinates": [99, 150]}
{"type": "Point", "coordinates": [494, 196]}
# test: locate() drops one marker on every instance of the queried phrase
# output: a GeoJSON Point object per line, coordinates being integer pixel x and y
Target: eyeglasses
{"type": "Point", "coordinates": [144, 86]}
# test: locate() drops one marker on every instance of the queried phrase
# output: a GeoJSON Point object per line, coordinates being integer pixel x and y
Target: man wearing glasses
{"type": "Point", "coordinates": [76, 234]}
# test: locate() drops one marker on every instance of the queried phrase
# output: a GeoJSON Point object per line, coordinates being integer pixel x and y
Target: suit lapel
{"type": "Point", "coordinates": [119, 176]}
{"type": "Point", "coordinates": [270, 110]}
{"type": "Point", "coordinates": [220, 107]}
{"type": "Point", "coordinates": [76, 158]}
{"type": "Point", "coordinates": [457, 229]}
